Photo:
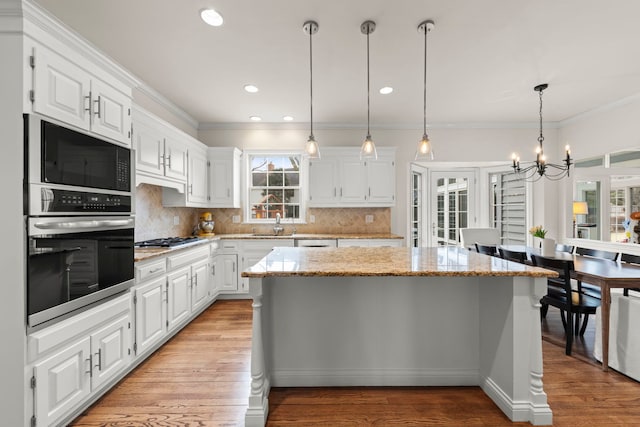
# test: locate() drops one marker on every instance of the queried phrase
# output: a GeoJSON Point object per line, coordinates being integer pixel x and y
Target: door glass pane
{"type": "Point", "coordinates": [453, 214]}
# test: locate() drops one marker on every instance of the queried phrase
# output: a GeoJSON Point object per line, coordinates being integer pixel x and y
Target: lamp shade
{"type": "Point", "coordinates": [580, 208]}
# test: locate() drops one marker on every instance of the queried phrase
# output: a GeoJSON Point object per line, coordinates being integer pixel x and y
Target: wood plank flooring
{"type": "Point", "coordinates": [201, 378]}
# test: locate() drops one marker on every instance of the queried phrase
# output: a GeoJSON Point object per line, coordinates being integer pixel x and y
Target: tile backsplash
{"type": "Point", "coordinates": [154, 220]}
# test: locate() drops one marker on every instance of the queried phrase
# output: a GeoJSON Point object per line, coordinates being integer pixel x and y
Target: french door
{"type": "Point", "coordinates": [452, 202]}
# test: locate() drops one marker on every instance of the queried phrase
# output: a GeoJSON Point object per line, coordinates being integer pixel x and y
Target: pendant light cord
{"type": "Point", "coordinates": [311, 78]}
{"type": "Point", "coordinates": [368, 86]}
{"type": "Point", "coordinates": [426, 30]}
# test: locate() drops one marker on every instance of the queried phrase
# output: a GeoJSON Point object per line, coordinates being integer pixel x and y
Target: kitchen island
{"type": "Point", "coordinates": [397, 317]}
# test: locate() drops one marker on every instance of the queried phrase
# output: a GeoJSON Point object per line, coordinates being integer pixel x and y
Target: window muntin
{"type": "Point", "coordinates": [274, 186]}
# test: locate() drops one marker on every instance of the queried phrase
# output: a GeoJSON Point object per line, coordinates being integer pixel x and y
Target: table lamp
{"type": "Point", "coordinates": [579, 208]}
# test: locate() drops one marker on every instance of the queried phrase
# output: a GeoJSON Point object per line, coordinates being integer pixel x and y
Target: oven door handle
{"type": "Point", "coordinates": [84, 224]}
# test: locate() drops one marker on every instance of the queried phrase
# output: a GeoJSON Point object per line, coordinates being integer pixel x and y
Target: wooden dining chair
{"type": "Point", "coordinates": [487, 249]}
{"type": "Point", "coordinates": [630, 259]}
{"type": "Point", "coordinates": [569, 302]}
{"type": "Point", "coordinates": [564, 248]}
{"type": "Point", "coordinates": [516, 256]}
{"type": "Point", "coordinates": [597, 253]}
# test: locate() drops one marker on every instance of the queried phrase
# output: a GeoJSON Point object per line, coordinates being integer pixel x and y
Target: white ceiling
{"type": "Point", "coordinates": [485, 57]}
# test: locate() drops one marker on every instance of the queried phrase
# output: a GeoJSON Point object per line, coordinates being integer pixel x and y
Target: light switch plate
{"type": "Point", "coordinates": [368, 219]}
{"type": "Point", "coordinates": [236, 219]}
{"type": "Point", "coordinates": [312, 219]}
{"type": "Point", "coordinates": [176, 220]}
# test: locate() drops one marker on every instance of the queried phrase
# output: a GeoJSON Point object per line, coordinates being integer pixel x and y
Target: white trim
{"type": "Point", "coordinates": [517, 411]}
{"type": "Point", "coordinates": [167, 104]}
{"type": "Point", "coordinates": [600, 109]}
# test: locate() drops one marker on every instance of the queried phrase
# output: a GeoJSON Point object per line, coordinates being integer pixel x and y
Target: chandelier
{"type": "Point", "coordinates": [540, 167]}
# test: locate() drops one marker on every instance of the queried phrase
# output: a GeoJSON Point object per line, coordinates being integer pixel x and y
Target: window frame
{"type": "Point", "coordinates": [302, 185]}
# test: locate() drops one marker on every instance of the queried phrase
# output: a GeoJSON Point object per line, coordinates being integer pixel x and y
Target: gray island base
{"type": "Point", "coordinates": [397, 317]}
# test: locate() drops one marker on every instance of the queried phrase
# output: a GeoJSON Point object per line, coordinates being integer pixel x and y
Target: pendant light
{"type": "Point", "coordinates": [540, 167]}
{"type": "Point", "coordinates": [424, 150]}
{"type": "Point", "coordinates": [311, 149]}
{"type": "Point", "coordinates": [368, 149]}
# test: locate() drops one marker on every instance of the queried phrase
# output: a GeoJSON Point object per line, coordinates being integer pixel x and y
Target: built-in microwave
{"type": "Point", "coordinates": [69, 172]}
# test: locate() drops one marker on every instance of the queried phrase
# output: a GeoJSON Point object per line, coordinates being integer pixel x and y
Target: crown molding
{"type": "Point", "coordinates": [600, 110]}
{"type": "Point", "coordinates": [167, 104]}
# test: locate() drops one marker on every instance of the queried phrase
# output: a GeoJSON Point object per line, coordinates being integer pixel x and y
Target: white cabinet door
{"type": "Point", "coordinates": [197, 191]}
{"type": "Point", "coordinates": [62, 381]}
{"type": "Point", "coordinates": [381, 179]}
{"type": "Point", "coordinates": [149, 144]}
{"type": "Point", "coordinates": [229, 274]}
{"type": "Point", "coordinates": [111, 111]}
{"type": "Point", "coordinates": [151, 313]}
{"type": "Point", "coordinates": [224, 177]}
{"type": "Point", "coordinates": [178, 297]}
{"type": "Point", "coordinates": [323, 182]}
{"type": "Point", "coordinates": [175, 158]}
{"type": "Point", "coordinates": [347, 243]}
{"type": "Point", "coordinates": [216, 275]}
{"type": "Point", "coordinates": [201, 279]}
{"type": "Point", "coordinates": [111, 350]}
{"type": "Point", "coordinates": [61, 89]}
{"type": "Point", "coordinates": [352, 181]}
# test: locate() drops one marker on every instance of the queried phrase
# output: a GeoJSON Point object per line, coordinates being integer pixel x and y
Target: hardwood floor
{"type": "Point", "coordinates": [201, 378]}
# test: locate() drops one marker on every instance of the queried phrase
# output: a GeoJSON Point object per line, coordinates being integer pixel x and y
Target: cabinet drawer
{"type": "Point", "coordinates": [56, 335]}
{"type": "Point", "coordinates": [187, 257]}
{"type": "Point", "coordinates": [150, 269]}
{"type": "Point", "coordinates": [229, 245]}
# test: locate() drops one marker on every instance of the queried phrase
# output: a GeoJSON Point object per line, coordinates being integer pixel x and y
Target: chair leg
{"type": "Point", "coordinates": [564, 320]}
{"type": "Point", "coordinates": [569, 333]}
{"type": "Point", "coordinates": [544, 308]}
{"type": "Point", "coordinates": [584, 324]}
{"type": "Point", "coordinates": [577, 323]}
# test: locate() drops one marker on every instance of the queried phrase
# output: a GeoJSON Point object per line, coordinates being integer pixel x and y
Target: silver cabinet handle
{"type": "Point", "coordinates": [190, 188]}
{"type": "Point", "coordinates": [88, 104]}
{"type": "Point", "coordinates": [161, 159]}
{"type": "Point", "coordinates": [90, 360]}
{"type": "Point", "coordinates": [168, 159]}
{"type": "Point", "coordinates": [99, 356]}
{"type": "Point", "coordinates": [213, 270]}
{"type": "Point", "coordinates": [97, 113]}
{"type": "Point", "coordinates": [155, 270]}
{"type": "Point", "coordinates": [334, 191]}
{"type": "Point", "coordinates": [234, 267]}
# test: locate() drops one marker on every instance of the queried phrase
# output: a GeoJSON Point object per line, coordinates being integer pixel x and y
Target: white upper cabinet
{"type": "Point", "coordinates": [197, 187]}
{"type": "Point", "coordinates": [224, 177]}
{"type": "Point", "coordinates": [341, 179]}
{"type": "Point", "coordinates": [175, 156]}
{"type": "Point", "coordinates": [66, 92]}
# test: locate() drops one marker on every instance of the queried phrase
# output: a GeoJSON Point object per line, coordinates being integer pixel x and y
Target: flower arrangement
{"type": "Point", "coordinates": [538, 231]}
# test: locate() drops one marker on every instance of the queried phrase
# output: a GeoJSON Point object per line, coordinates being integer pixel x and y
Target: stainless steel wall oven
{"type": "Point", "coordinates": [78, 205]}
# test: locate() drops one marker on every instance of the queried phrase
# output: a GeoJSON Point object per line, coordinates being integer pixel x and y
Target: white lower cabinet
{"type": "Point", "coordinates": [75, 358]}
{"type": "Point", "coordinates": [201, 284]}
{"type": "Point", "coordinates": [178, 297]}
{"type": "Point", "coordinates": [151, 314]}
{"type": "Point", "coordinates": [226, 272]}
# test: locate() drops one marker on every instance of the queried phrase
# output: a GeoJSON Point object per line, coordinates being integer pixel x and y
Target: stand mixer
{"type": "Point", "coordinates": [205, 225]}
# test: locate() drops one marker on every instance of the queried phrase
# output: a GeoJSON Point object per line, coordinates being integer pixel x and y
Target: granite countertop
{"type": "Point", "coordinates": [387, 261]}
{"type": "Point", "coordinates": [309, 236]}
{"type": "Point", "coordinates": [142, 254]}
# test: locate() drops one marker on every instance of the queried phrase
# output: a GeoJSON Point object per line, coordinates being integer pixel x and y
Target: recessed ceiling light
{"type": "Point", "coordinates": [386, 90]}
{"type": "Point", "coordinates": [211, 17]}
{"type": "Point", "coordinates": [255, 118]}
{"type": "Point", "coordinates": [251, 88]}
{"type": "Point", "coordinates": [287, 118]}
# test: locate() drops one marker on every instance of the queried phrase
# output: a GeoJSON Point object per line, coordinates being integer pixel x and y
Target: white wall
{"type": "Point", "coordinates": [459, 145]}
{"type": "Point", "coordinates": [12, 228]}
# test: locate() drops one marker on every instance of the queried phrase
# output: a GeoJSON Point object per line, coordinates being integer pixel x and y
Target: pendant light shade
{"type": "Point", "coordinates": [424, 150]}
{"type": "Point", "coordinates": [311, 149]}
{"type": "Point", "coordinates": [368, 148]}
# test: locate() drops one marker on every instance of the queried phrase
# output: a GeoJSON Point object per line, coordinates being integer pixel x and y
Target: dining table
{"type": "Point", "coordinates": [604, 273]}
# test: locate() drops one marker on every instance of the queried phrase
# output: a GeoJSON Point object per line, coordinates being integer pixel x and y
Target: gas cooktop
{"type": "Point", "coordinates": [168, 242]}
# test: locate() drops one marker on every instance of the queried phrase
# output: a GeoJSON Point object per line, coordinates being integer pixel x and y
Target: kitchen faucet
{"type": "Point", "coordinates": [277, 228]}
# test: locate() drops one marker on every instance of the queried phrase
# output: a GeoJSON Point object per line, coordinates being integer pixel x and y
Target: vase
{"type": "Point", "coordinates": [548, 248]}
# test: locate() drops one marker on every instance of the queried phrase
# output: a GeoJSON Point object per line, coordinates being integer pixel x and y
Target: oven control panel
{"type": "Point", "coordinates": [66, 201]}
